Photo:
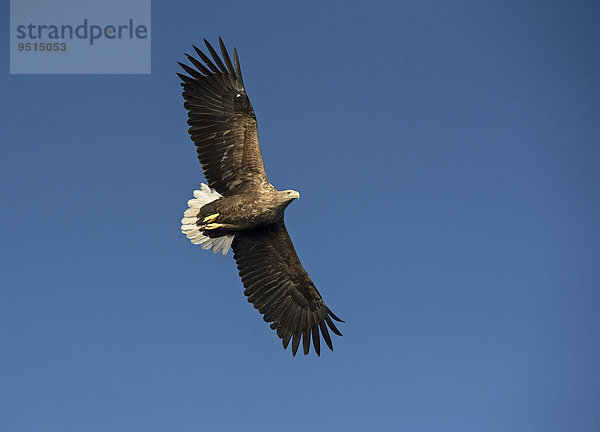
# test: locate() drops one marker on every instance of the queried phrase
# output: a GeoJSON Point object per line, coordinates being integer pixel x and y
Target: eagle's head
{"type": "Point", "coordinates": [292, 194]}
{"type": "Point", "coordinates": [285, 198]}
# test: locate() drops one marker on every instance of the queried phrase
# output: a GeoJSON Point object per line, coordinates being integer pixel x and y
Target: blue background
{"type": "Point", "coordinates": [447, 157]}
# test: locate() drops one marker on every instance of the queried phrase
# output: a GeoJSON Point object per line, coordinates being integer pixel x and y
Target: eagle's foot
{"type": "Point", "coordinates": [212, 226]}
{"type": "Point", "coordinates": [211, 218]}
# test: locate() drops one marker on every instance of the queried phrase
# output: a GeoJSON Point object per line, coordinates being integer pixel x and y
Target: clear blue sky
{"type": "Point", "coordinates": [448, 161]}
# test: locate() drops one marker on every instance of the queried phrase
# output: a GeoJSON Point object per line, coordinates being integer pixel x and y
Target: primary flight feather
{"type": "Point", "coordinates": [240, 208]}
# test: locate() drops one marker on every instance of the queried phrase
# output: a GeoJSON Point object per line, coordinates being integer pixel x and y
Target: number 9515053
{"type": "Point", "coordinates": [42, 46]}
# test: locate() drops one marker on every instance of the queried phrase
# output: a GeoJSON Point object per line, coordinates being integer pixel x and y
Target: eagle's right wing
{"type": "Point", "coordinates": [222, 122]}
{"type": "Point", "coordinates": [279, 287]}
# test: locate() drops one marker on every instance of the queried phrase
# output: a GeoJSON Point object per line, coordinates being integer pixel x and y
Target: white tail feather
{"type": "Point", "coordinates": [193, 231]}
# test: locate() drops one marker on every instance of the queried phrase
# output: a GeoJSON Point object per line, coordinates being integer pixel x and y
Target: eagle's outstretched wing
{"type": "Point", "coordinates": [222, 122]}
{"type": "Point", "coordinates": [279, 287]}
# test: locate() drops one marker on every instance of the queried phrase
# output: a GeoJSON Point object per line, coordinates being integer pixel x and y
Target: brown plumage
{"type": "Point", "coordinates": [246, 211]}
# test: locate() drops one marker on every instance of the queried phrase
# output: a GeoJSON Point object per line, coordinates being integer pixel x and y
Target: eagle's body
{"type": "Point", "coordinates": [244, 211]}
{"type": "Point", "coordinates": [241, 209]}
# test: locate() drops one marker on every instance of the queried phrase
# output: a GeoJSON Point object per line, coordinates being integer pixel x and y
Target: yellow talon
{"type": "Point", "coordinates": [212, 226]}
{"type": "Point", "coordinates": [211, 218]}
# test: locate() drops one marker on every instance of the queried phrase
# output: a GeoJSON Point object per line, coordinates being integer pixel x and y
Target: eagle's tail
{"type": "Point", "coordinates": [190, 225]}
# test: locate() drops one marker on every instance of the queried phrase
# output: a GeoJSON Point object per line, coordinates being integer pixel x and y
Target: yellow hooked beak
{"type": "Point", "coordinates": [294, 194]}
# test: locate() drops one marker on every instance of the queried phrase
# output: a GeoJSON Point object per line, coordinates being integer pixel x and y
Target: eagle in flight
{"type": "Point", "coordinates": [240, 208]}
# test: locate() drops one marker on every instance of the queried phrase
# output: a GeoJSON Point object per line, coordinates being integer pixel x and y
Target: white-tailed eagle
{"type": "Point", "coordinates": [240, 208]}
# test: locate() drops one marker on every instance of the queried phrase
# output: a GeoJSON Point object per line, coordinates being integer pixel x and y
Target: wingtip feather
{"type": "Point", "coordinates": [295, 343]}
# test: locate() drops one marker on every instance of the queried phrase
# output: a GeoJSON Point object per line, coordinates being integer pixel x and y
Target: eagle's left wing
{"type": "Point", "coordinates": [279, 287]}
